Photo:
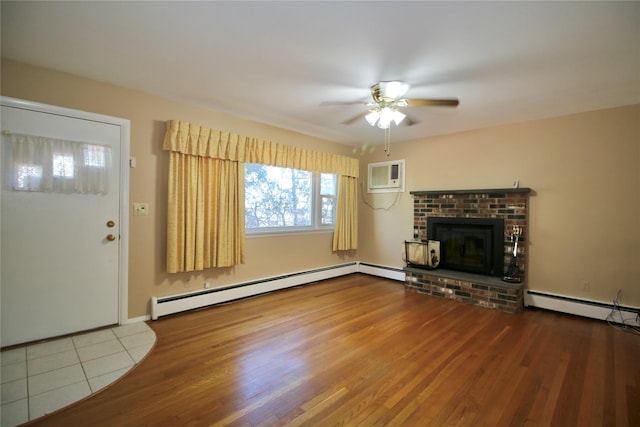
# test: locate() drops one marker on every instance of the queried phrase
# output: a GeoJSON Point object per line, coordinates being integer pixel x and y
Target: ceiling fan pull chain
{"type": "Point", "coordinates": [387, 140]}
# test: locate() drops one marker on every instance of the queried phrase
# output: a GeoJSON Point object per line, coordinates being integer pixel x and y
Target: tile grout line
{"type": "Point", "coordinates": [84, 372]}
{"type": "Point", "coordinates": [126, 349]}
{"type": "Point", "coordinates": [130, 355]}
{"type": "Point", "coordinates": [26, 371]}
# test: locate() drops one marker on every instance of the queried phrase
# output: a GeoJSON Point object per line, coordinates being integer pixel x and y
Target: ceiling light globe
{"type": "Point", "coordinates": [398, 117]}
{"type": "Point", "coordinates": [372, 117]}
{"type": "Point", "coordinates": [386, 116]}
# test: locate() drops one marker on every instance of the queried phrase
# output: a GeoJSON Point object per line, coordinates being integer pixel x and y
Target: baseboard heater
{"type": "Point", "coordinates": [581, 307]}
{"type": "Point", "coordinates": [381, 271]}
{"type": "Point", "coordinates": [162, 306]}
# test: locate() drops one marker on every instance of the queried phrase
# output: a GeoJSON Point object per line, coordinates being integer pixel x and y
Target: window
{"type": "Point", "coordinates": [282, 199]}
{"type": "Point", "coordinates": [27, 176]}
{"type": "Point", "coordinates": [62, 165]}
{"type": "Point", "coordinates": [328, 189]}
{"type": "Point", "coordinates": [41, 164]}
{"type": "Point", "coordinates": [95, 156]}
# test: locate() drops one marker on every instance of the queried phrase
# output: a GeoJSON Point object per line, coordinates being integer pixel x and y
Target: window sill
{"type": "Point", "coordinates": [257, 234]}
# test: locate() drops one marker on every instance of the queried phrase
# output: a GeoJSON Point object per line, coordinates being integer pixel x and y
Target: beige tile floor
{"type": "Point", "coordinates": [40, 378]}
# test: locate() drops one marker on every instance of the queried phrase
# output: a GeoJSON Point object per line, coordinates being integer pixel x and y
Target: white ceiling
{"type": "Point", "coordinates": [277, 62]}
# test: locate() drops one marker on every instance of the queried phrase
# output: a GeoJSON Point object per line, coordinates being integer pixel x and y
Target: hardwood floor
{"type": "Point", "coordinates": [358, 350]}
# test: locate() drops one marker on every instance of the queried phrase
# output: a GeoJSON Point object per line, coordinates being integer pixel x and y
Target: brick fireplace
{"type": "Point", "coordinates": [509, 206]}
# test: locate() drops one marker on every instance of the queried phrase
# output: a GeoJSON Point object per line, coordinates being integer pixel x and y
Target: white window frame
{"type": "Point", "coordinates": [316, 216]}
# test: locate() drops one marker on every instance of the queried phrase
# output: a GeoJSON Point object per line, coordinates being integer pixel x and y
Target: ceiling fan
{"type": "Point", "coordinates": [385, 108]}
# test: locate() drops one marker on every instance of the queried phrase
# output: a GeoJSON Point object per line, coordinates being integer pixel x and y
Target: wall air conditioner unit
{"type": "Point", "coordinates": [386, 177]}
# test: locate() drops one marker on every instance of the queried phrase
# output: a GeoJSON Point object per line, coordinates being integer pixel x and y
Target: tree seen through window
{"type": "Point", "coordinates": [283, 198]}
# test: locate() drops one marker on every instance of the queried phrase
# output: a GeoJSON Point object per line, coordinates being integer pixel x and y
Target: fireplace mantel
{"type": "Point", "coordinates": [474, 191]}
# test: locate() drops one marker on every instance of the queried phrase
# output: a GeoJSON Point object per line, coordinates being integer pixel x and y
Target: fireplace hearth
{"type": "Point", "coordinates": [473, 245]}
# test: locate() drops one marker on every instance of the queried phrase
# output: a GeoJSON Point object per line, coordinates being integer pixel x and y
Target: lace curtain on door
{"type": "Point", "coordinates": [36, 163]}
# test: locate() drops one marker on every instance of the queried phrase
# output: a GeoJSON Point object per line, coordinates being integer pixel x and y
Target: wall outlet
{"type": "Point", "coordinates": [207, 284]}
{"type": "Point", "coordinates": [586, 286]}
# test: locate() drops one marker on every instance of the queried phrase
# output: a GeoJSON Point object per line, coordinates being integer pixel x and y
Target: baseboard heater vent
{"type": "Point", "coordinates": [163, 306]}
{"type": "Point", "coordinates": [580, 307]}
{"type": "Point", "coordinates": [381, 271]}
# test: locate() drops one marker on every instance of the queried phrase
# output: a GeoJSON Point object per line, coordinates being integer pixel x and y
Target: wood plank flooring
{"type": "Point", "coordinates": [360, 351]}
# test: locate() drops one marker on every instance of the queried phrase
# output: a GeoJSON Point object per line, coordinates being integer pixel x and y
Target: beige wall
{"type": "Point", "coordinates": [265, 256]}
{"type": "Point", "coordinates": [584, 171]}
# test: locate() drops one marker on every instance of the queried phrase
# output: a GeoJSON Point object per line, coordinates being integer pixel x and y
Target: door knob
{"type": "Point", "coordinates": [111, 237]}
{"type": "Point", "coordinates": [111, 224]}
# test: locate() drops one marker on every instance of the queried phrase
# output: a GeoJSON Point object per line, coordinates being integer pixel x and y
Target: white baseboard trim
{"type": "Point", "coordinates": [387, 272]}
{"type": "Point", "coordinates": [162, 306]}
{"type": "Point", "coordinates": [137, 319]}
{"type": "Point", "coordinates": [582, 307]}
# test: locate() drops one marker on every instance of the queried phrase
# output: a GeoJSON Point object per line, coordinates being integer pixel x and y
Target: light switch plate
{"type": "Point", "coordinates": [140, 209]}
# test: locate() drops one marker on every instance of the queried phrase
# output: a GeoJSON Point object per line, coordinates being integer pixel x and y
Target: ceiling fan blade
{"type": "Point", "coordinates": [355, 118]}
{"type": "Point", "coordinates": [408, 121]}
{"type": "Point", "coordinates": [343, 103]}
{"type": "Point", "coordinates": [432, 102]}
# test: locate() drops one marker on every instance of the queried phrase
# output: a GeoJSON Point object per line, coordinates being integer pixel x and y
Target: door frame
{"type": "Point", "coordinates": [123, 215]}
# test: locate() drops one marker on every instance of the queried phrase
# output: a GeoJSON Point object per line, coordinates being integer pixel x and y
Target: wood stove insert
{"type": "Point", "coordinates": [472, 245]}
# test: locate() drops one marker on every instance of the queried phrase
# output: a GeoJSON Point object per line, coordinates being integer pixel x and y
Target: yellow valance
{"type": "Point", "coordinates": [194, 140]}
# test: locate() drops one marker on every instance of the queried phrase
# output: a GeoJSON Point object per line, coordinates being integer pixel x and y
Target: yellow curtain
{"type": "Point", "coordinates": [205, 226]}
{"type": "Point", "coordinates": [345, 236]}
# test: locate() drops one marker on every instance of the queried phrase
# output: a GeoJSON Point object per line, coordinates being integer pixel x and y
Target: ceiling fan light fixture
{"type": "Point", "coordinates": [387, 101]}
{"type": "Point", "coordinates": [398, 116]}
{"type": "Point", "coordinates": [393, 89]}
{"type": "Point", "coordinates": [372, 117]}
{"type": "Point", "coordinates": [386, 116]}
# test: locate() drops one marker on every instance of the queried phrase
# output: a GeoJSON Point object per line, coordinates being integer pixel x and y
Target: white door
{"type": "Point", "coordinates": [60, 251]}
